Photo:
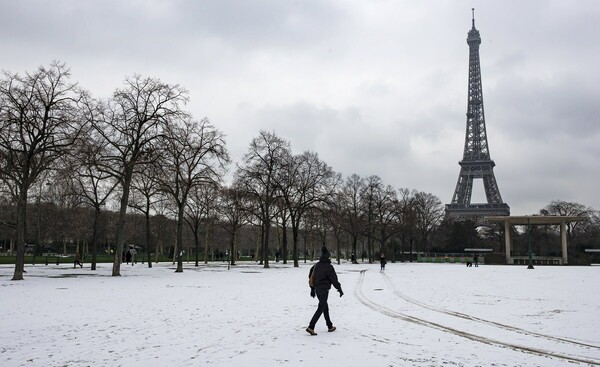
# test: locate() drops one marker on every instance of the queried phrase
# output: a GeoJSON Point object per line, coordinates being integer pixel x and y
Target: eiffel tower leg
{"type": "Point", "coordinates": [491, 189]}
{"type": "Point", "coordinates": [464, 190]}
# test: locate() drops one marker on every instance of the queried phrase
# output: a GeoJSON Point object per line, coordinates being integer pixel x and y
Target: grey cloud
{"type": "Point", "coordinates": [375, 87]}
{"type": "Point", "coordinates": [563, 104]}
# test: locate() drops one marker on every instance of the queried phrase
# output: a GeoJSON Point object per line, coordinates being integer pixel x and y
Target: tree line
{"type": "Point", "coordinates": [142, 153]}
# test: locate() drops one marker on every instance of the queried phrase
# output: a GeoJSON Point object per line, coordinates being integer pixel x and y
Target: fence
{"type": "Point", "coordinates": [448, 258]}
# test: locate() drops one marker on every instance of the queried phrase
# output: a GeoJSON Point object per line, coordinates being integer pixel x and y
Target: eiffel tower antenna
{"type": "Point", "coordinates": [476, 162]}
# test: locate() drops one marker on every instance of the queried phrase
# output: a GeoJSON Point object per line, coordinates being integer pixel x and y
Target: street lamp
{"type": "Point", "coordinates": [530, 266]}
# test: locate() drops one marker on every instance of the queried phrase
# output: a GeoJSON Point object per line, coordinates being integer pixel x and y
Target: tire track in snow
{"type": "Point", "coordinates": [358, 292]}
{"type": "Point", "coordinates": [488, 322]}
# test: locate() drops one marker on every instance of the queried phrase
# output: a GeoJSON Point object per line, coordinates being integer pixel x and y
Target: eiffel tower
{"type": "Point", "coordinates": [476, 162]}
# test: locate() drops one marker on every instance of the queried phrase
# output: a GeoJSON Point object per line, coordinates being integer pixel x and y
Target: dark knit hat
{"type": "Point", "coordinates": [325, 254]}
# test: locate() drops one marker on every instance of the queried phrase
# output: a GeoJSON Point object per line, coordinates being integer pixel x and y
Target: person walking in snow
{"type": "Point", "coordinates": [77, 260]}
{"type": "Point", "coordinates": [133, 252]}
{"type": "Point", "coordinates": [382, 261]}
{"type": "Point", "coordinates": [323, 276]}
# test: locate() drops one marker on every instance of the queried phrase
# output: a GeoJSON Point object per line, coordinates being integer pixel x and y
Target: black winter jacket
{"type": "Point", "coordinates": [325, 276]}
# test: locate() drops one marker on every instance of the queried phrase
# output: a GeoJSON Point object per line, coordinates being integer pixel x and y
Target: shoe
{"type": "Point", "coordinates": [310, 331]}
{"type": "Point", "coordinates": [331, 329]}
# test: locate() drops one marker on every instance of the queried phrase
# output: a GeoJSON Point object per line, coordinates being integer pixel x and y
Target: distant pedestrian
{"type": "Point", "coordinates": [133, 252]}
{"type": "Point", "coordinates": [77, 260]}
{"type": "Point", "coordinates": [353, 258]}
{"type": "Point", "coordinates": [382, 261]}
{"type": "Point", "coordinates": [363, 255]}
{"type": "Point", "coordinates": [476, 260]}
{"type": "Point", "coordinates": [128, 257]}
{"type": "Point", "coordinates": [322, 275]}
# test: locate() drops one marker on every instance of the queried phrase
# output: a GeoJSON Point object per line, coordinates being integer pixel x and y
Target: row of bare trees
{"type": "Point", "coordinates": [301, 192]}
{"type": "Point", "coordinates": [54, 131]}
{"type": "Point", "coordinates": [141, 151]}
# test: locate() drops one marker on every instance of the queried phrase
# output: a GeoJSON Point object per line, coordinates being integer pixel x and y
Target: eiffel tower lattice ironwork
{"type": "Point", "coordinates": [476, 162]}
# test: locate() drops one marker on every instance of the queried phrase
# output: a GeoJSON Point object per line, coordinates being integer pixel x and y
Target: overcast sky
{"type": "Point", "coordinates": [374, 87]}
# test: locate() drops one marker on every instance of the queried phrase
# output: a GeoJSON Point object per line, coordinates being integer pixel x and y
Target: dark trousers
{"type": "Point", "coordinates": [322, 308]}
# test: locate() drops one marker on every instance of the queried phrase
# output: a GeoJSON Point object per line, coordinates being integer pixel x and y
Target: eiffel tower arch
{"type": "Point", "coordinates": [476, 162]}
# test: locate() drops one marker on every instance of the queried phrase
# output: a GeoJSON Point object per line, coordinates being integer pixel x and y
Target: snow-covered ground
{"type": "Point", "coordinates": [409, 315]}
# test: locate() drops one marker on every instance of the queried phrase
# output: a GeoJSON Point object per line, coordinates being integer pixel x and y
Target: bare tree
{"type": "Point", "coordinates": [386, 220]}
{"type": "Point", "coordinates": [282, 219]}
{"type": "Point", "coordinates": [429, 214]}
{"type": "Point", "coordinates": [407, 217]}
{"type": "Point", "coordinates": [232, 209]}
{"type": "Point", "coordinates": [39, 121]}
{"type": "Point", "coordinates": [351, 209]}
{"type": "Point", "coordinates": [332, 212]}
{"type": "Point", "coordinates": [256, 175]}
{"type": "Point", "coordinates": [566, 208]}
{"type": "Point", "coordinates": [146, 194]}
{"type": "Point", "coordinates": [199, 208]}
{"type": "Point", "coordinates": [305, 182]}
{"type": "Point", "coordinates": [369, 194]}
{"type": "Point", "coordinates": [193, 154]}
{"type": "Point", "coordinates": [133, 122]}
{"type": "Point", "coordinates": [93, 186]}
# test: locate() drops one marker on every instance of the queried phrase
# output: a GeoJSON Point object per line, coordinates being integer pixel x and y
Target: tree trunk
{"type": "Point", "coordinates": [180, 238]}
{"type": "Point", "coordinates": [258, 253]}
{"type": "Point", "coordinates": [232, 252]}
{"type": "Point", "coordinates": [148, 238]}
{"type": "Point", "coordinates": [337, 242]}
{"type": "Point", "coordinates": [21, 218]}
{"type": "Point", "coordinates": [95, 239]}
{"type": "Point", "coordinates": [403, 240]}
{"type": "Point", "coordinates": [354, 248]}
{"type": "Point", "coordinates": [121, 222]}
{"type": "Point", "coordinates": [295, 245]}
{"type": "Point", "coordinates": [121, 230]}
{"type": "Point", "coordinates": [175, 249]}
{"type": "Point", "coordinates": [206, 230]}
{"type": "Point", "coordinates": [304, 242]}
{"type": "Point", "coordinates": [267, 230]}
{"type": "Point", "coordinates": [38, 235]}
{"type": "Point", "coordinates": [284, 242]}
{"type": "Point", "coordinates": [197, 243]}
{"type": "Point", "coordinates": [159, 249]}
{"type": "Point", "coordinates": [370, 246]}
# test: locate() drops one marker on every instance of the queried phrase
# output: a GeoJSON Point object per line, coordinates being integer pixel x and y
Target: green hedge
{"type": "Point", "coordinates": [104, 258]}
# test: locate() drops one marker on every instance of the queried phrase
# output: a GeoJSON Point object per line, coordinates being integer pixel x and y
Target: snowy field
{"type": "Point", "coordinates": [409, 315]}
